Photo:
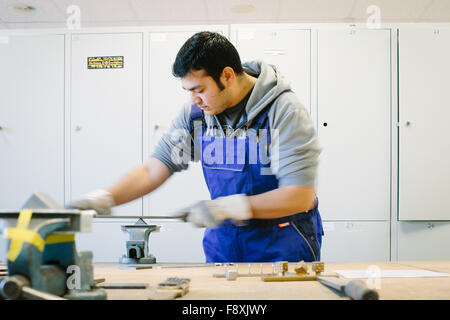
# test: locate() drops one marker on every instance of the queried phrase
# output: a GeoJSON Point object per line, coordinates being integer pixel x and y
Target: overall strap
{"type": "Point", "coordinates": [195, 114]}
{"type": "Point", "coordinates": [262, 116]}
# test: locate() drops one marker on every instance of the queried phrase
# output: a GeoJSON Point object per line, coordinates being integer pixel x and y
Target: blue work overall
{"type": "Point", "coordinates": [292, 238]}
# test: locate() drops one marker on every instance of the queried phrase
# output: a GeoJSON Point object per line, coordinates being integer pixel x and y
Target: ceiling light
{"type": "Point", "coordinates": [23, 9]}
{"type": "Point", "coordinates": [242, 8]}
{"type": "Point", "coordinates": [348, 20]}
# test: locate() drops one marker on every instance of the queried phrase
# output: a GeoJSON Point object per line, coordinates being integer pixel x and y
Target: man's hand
{"type": "Point", "coordinates": [212, 213]}
{"type": "Point", "coordinates": [98, 200]}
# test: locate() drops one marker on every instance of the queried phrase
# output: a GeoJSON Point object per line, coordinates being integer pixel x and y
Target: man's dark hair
{"type": "Point", "coordinates": [209, 51]}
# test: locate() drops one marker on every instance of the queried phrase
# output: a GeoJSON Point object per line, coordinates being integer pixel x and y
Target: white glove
{"type": "Point", "coordinates": [212, 213]}
{"type": "Point", "coordinates": [98, 200]}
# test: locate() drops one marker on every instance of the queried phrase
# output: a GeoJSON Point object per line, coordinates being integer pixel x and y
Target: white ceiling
{"type": "Point", "coordinates": [98, 13]}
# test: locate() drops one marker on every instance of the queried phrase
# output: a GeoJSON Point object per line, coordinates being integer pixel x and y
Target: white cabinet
{"type": "Point", "coordinates": [356, 241]}
{"type": "Point", "coordinates": [31, 118]}
{"type": "Point", "coordinates": [354, 108]}
{"type": "Point", "coordinates": [424, 100]}
{"type": "Point", "coordinates": [287, 48]}
{"type": "Point", "coordinates": [166, 98]}
{"type": "Point", "coordinates": [419, 240]}
{"type": "Point", "coordinates": [105, 114]}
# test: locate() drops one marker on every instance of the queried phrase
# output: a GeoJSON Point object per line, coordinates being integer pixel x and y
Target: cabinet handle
{"type": "Point", "coordinates": [408, 123]}
{"type": "Point", "coordinates": [325, 124]}
{"type": "Point", "coordinates": [78, 128]}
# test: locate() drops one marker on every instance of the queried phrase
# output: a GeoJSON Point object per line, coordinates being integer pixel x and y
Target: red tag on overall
{"type": "Point", "coordinates": [285, 224]}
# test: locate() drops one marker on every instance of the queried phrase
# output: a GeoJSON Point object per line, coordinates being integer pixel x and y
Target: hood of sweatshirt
{"type": "Point", "coordinates": [269, 85]}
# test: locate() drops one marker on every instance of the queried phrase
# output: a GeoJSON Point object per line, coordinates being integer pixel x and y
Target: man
{"type": "Point", "coordinates": [258, 149]}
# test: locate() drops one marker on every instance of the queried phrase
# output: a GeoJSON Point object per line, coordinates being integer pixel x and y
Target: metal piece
{"type": "Point", "coordinates": [219, 264]}
{"type": "Point", "coordinates": [18, 286]}
{"type": "Point", "coordinates": [318, 267]}
{"type": "Point", "coordinates": [231, 274]}
{"type": "Point", "coordinates": [77, 220]}
{"type": "Point", "coordinates": [249, 274]}
{"type": "Point", "coordinates": [281, 267]}
{"type": "Point", "coordinates": [99, 280]}
{"type": "Point", "coordinates": [32, 294]}
{"type": "Point", "coordinates": [137, 246]}
{"type": "Point", "coordinates": [289, 278]}
{"type": "Point", "coordinates": [243, 275]}
{"type": "Point", "coordinates": [123, 285]}
{"type": "Point", "coordinates": [3, 273]}
{"type": "Point", "coordinates": [171, 288]}
{"type": "Point", "coordinates": [301, 268]}
{"type": "Point", "coordinates": [40, 200]}
{"type": "Point", "coordinates": [44, 208]}
{"type": "Point", "coordinates": [182, 265]}
{"type": "Point", "coordinates": [174, 282]}
{"type": "Point", "coordinates": [11, 287]}
{"type": "Point", "coordinates": [135, 267]}
{"type": "Point", "coordinates": [301, 272]}
{"type": "Point", "coordinates": [165, 266]}
{"type": "Point", "coordinates": [355, 289]}
{"type": "Point", "coordinates": [181, 217]}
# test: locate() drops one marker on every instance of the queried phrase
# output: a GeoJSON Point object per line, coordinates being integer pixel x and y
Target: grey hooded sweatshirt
{"type": "Point", "coordinates": [294, 149]}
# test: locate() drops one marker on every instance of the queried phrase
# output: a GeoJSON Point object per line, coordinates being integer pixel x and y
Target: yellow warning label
{"type": "Point", "coordinates": [115, 62]}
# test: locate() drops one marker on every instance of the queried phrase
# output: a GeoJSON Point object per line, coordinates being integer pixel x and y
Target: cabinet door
{"type": "Point", "coordinates": [166, 98]}
{"type": "Point", "coordinates": [419, 240]}
{"type": "Point", "coordinates": [106, 114]}
{"type": "Point", "coordinates": [288, 49]}
{"type": "Point", "coordinates": [356, 241]}
{"type": "Point", "coordinates": [31, 118]}
{"type": "Point", "coordinates": [424, 100]}
{"type": "Point", "coordinates": [354, 124]}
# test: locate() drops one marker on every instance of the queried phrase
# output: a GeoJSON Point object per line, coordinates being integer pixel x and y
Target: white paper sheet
{"type": "Point", "coordinates": [361, 274]}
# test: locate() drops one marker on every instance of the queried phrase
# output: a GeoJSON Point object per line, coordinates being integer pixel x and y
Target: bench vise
{"type": "Point", "coordinates": [137, 246]}
{"type": "Point", "coordinates": [42, 259]}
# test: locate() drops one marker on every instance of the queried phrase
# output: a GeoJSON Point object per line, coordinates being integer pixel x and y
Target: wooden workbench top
{"type": "Point", "coordinates": [203, 286]}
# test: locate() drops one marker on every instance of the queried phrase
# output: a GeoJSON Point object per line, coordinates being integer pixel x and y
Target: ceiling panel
{"type": "Point", "coordinates": [439, 10]}
{"type": "Point", "coordinates": [391, 10]}
{"type": "Point", "coordinates": [100, 10]}
{"type": "Point", "coordinates": [307, 10]}
{"type": "Point", "coordinates": [46, 11]}
{"type": "Point", "coordinates": [105, 13]}
{"type": "Point", "coordinates": [236, 10]}
{"type": "Point", "coordinates": [170, 10]}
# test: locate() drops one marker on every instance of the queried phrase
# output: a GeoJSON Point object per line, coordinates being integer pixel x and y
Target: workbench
{"type": "Point", "coordinates": [204, 286]}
